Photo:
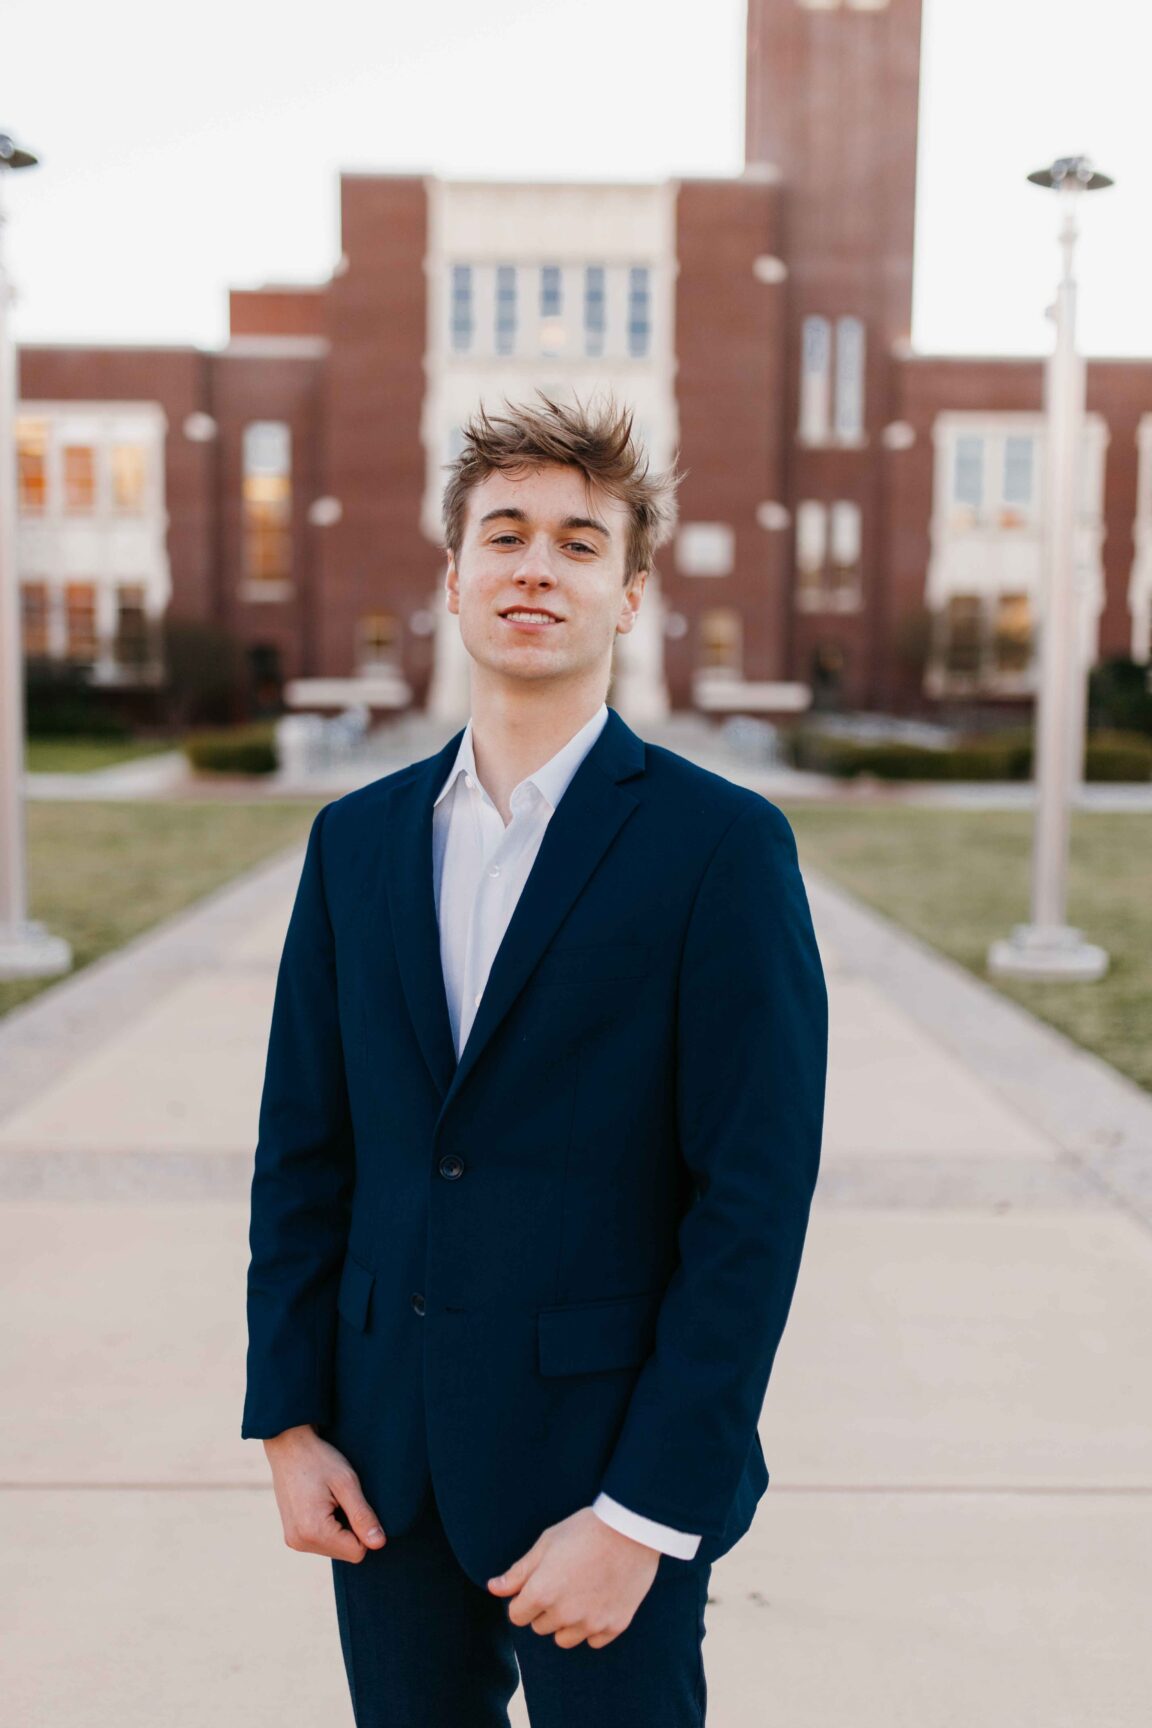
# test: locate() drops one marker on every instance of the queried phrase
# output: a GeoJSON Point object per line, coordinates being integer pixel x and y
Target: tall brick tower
{"type": "Point", "coordinates": [832, 114]}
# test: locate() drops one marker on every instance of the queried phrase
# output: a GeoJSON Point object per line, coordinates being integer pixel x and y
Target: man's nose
{"type": "Point", "coordinates": [535, 562]}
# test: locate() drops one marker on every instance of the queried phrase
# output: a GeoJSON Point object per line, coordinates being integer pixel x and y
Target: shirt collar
{"type": "Point", "coordinates": [552, 778]}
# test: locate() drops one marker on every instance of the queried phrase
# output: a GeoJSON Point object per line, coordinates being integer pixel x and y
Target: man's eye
{"type": "Point", "coordinates": [580, 546]}
{"type": "Point", "coordinates": [498, 537]}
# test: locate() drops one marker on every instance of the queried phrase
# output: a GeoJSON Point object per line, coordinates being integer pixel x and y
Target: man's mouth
{"type": "Point", "coordinates": [530, 616]}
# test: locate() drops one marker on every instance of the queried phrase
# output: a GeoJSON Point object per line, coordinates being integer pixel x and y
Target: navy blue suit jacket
{"type": "Point", "coordinates": [564, 1263]}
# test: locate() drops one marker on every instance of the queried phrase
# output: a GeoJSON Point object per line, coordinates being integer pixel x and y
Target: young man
{"type": "Point", "coordinates": [539, 1133]}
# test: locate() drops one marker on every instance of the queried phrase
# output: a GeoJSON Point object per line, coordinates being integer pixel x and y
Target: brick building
{"type": "Point", "coordinates": [860, 523]}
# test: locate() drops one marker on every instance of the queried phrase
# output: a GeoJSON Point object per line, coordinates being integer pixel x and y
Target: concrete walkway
{"type": "Point", "coordinates": [959, 1425]}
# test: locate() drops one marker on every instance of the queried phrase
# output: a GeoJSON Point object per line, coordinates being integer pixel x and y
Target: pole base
{"type": "Point", "coordinates": [28, 951]}
{"type": "Point", "coordinates": [1056, 952]}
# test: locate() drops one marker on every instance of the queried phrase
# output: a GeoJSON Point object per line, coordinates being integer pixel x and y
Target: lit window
{"type": "Point", "coordinates": [34, 618]}
{"type": "Point", "coordinates": [377, 640]}
{"type": "Point", "coordinates": [267, 501]}
{"type": "Point", "coordinates": [595, 309]}
{"type": "Point", "coordinates": [79, 479]}
{"type": "Point", "coordinates": [32, 465]}
{"type": "Point", "coordinates": [461, 308]}
{"type": "Point", "coordinates": [128, 477]}
{"type": "Point", "coordinates": [639, 311]}
{"type": "Point", "coordinates": [815, 379]}
{"type": "Point", "coordinates": [968, 473]}
{"type": "Point", "coordinates": [80, 613]}
{"type": "Point", "coordinates": [505, 308]}
{"type": "Point", "coordinates": [849, 378]}
{"type": "Point", "coordinates": [720, 640]}
{"type": "Point", "coordinates": [1012, 642]}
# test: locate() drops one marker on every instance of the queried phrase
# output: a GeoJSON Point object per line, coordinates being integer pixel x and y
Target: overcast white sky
{"type": "Point", "coordinates": [185, 150]}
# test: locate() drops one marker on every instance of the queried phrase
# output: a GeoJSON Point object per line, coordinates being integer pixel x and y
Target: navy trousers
{"type": "Point", "coordinates": [425, 1647]}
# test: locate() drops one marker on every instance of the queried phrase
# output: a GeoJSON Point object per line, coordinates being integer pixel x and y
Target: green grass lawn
{"type": "Point", "coordinates": [960, 878]}
{"type": "Point", "coordinates": [101, 872]}
{"type": "Point", "coordinates": [80, 755]}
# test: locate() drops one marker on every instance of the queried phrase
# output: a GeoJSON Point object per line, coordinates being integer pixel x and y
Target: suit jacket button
{"type": "Point", "coordinates": [418, 1302]}
{"type": "Point", "coordinates": [451, 1166]}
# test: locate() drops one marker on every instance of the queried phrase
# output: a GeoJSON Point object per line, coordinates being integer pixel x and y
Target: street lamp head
{"type": "Point", "coordinates": [11, 156]}
{"type": "Point", "coordinates": [1074, 172]}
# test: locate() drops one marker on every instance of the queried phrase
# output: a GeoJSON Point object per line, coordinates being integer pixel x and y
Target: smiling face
{"type": "Point", "coordinates": [543, 542]}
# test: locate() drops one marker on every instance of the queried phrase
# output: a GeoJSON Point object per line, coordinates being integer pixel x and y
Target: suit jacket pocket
{"type": "Point", "coordinates": [588, 1337]}
{"type": "Point", "coordinates": [354, 1297]}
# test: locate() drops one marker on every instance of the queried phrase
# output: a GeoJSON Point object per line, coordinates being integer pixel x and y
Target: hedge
{"type": "Point", "coordinates": [233, 750]}
{"type": "Point", "coordinates": [1115, 756]}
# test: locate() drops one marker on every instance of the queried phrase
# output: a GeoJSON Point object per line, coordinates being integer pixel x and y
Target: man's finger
{"type": "Point", "coordinates": [360, 1515]}
{"type": "Point", "coordinates": [340, 1544]}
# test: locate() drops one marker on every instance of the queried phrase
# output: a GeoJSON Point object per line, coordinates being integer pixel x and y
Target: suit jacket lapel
{"type": "Point", "coordinates": [594, 808]}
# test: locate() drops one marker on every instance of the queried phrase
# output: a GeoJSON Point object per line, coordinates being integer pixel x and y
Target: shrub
{"type": "Point", "coordinates": [233, 750]}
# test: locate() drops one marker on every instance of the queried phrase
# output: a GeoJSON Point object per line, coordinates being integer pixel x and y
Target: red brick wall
{"type": "Point", "coordinates": [276, 311]}
{"type": "Point", "coordinates": [375, 558]}
{"type": "Point", "coordinates": [728, 388]}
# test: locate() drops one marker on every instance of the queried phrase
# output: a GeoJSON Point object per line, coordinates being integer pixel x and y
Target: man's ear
{"type": "Point", "coordinates": [452, 584]}
{"type": "Point", "coordinates": [630, 602]}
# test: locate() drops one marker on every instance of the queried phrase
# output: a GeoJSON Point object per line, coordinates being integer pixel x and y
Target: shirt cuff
{"type": "Point", "coordinates": [679, 1543]}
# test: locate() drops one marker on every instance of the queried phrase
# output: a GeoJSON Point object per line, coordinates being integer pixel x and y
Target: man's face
{"type": "Point", "coordinates": [543, 540]}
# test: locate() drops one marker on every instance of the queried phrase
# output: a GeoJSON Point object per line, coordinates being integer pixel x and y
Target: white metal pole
{"type": "Point", "coordinates": [26, 948]}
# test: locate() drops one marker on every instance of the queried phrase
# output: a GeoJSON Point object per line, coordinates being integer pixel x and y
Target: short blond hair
{"type": "Point", "coordinates": [595, 438]}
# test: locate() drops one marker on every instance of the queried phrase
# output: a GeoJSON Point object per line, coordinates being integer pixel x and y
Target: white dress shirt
{"type": "Point", "coordinates": [479, 869]}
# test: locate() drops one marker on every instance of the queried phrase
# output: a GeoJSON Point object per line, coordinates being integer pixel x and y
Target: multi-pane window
{"type": "Point", "coordinates": [552, 331]}
{"type": "Point", "coordinates": [845, 543]}
{"type": "Point", "coordinates": [129, 475]}
{"type": "Point", "coordinates": [377, 640]}
{"type": "Point", "coordinates": [80, 620]}
{"type": "Point", "coordinates": [815, 379]}
{"type": "Point", "coordinates": [968, 471]}
{"type": "Point", "coordinates": [849, 378]}
{"type": "Point", "coordinates": [720, 640]}
{"type": "Point", "coordinates": [32, 466]}
{"type": "Point", "coordinates": [1018, 464]}
{"type": "Point", "coordinates": [34, 618]}
{"type": "Point", "coordinates": [1012, 633]}
{"type": "Point", "coordinates": [267, 501]}
{"type": "Point", "coordinates": [963, 644]}
{"type": "Point", "coordinates": [79, 467]}
{"type": "Point", "coordinates": [639, 311]}
{"type": "Point", "coordinates": [132, 645]}
{"type": "Point", "coordinates": [505, 308]}
{"type": "Point", "coordinates": [811, 542]}
{"type": "Point", "coordinates": [595, 309]}
{"type": "Point", "coordinates": [462, 311]}
{"type": "Point", "coordinates": [828, 555]}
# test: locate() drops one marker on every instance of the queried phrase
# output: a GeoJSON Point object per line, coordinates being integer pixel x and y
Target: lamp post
{"type": "Point", "coordinates": [26, 948]}
{"type": "Point", "coordinates": [1047, 946]}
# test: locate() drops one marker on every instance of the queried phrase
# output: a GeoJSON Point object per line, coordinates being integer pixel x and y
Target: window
{"type": "Point", "coordinates": [1018, 462]}
{"type": "Point", "coordinates": [32, 465]}
{"type": "Point", "coordinates": [461, 309]}
{"type": "Point", "coordinates": [968, 474]}
{"type": "Point", "coordinates": [505, 308]}
{"type": "Point", "coordinates": [595, 309]}
{"type": "Point", "coordinates": [34, 619]}
{"type": "Point", "coordinates": [79, 479]}
{"type": "Point", "coordinates": [811, 543]}
{"type": "Point", "coordinates": [720, 640]}
{"type": "Point", "coordinates": [552, 331]}
{"type": "Point", "coordinates": [639, 311]}
{"type": "Point", "coordinates": [1012, 640]}
{"type": "Point", "coordinates": [267, 501]}
{"type": "Point", "coordinates": [377, 641]}
{"type": "Point", "coordinates": [80, 615]}
{"type": "Point", "coordinates": [132, 645]}
{"type": "Point", "coordinates": [706, 549]}
{"type": "Point", "coordinates": [815, 379]}
{"type": "Point", "coordinates": [849, 378]}
{"type": "Point", "coordinates": [845, 545]}
{"type": "Point", "coordinates": [963, 634]}
{"type": "Point", "coordinates": [128, 477]}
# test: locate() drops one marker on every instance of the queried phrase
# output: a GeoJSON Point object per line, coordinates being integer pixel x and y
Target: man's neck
{"type": "Point", "coordinates": [515, 732]}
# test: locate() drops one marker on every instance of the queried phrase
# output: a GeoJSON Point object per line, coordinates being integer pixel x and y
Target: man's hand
{"type": "Point", "coordinates": [579, 1580]}
{"type": "Point", "coordinates": [311, 1478]}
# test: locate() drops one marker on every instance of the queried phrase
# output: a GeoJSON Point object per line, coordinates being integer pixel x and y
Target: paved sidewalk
{"type": "Point", "coordinates": [958, 1426]}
